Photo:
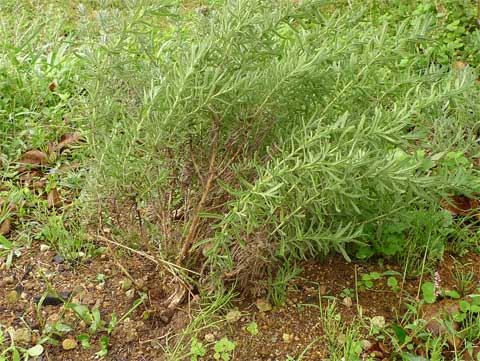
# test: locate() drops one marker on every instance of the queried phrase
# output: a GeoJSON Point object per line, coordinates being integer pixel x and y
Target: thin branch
{"type": "Point", "coordinates": [187, 244]}
{"type": "Point", "coordinates": [145, 255]}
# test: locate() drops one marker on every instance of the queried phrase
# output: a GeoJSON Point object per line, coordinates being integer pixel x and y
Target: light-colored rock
{"type": "Point", "coordinates": [366, 345]}
{"type": "Point", "coordinates": [130, 293]}
{"type": "Point", "coordinates": [263, 305]}
{"type": "Point", "coordinates": [347, 301]}
{"type": "Point", "coordinates": [378, 321]}
{"type": "Point", "coordinates": [233, 316]}
{"type": "Point", "coordinates": [209, 337]}
{"type": "Point", "coordinates": [44, 247]}
{"type": "Point", "coordinates": [126, 284]}
{"type": "Point", "coordinates": [69, 344]}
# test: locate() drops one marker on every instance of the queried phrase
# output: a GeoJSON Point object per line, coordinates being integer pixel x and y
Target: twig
{"type": "Point", "coordinates": [145, 255]}
{"type": "Point", "coordinates": [195, 165]}
{"type": "Point", "coordinates": [119, 265]}
{"type": "Point", "coordinates": [206, 191]}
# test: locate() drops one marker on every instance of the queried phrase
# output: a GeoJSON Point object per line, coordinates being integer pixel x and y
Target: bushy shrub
{"type": "Point", "coordinates": [263, 131]}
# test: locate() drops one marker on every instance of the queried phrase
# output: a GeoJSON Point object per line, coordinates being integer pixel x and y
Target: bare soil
{"type": "Point", "coordinates": [283, 331]}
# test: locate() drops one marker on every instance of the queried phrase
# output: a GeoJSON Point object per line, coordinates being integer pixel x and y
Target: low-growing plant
{"type": "Point", "coordinates": [252, 328]}
{"type": "Point", "coordinates": [223, 349]}
{"type": "Point", "coordinates": [196, 349]}
{"type": "Point", "coordinates": [14, 351]}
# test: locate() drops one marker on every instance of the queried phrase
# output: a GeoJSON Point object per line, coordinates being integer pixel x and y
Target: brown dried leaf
{"type": "Point", "coordinates": [52, 147]}
{"type": "Point", "coordinates": [39, 184]}
{"type": "Point", "coordinates": [5, 227]}
{"type": "Point", "coordinates": [54, 199]}
{"type": "Point", "coordinates": [67, 139]}
{"type": "Point", "coordinates": [34, 157]}
{"type": "Point", "coordinates": [435, 315]}
{"type": "Point", "coordinates": [28, 177]}
{"type": "Point", "coordinates": [69, 167]}
{"type": "Point", "coordinates": [461, 205]}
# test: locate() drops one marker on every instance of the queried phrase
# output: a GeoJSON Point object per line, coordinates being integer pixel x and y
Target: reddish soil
{"type": "Point", "coordinates": [143, 335]}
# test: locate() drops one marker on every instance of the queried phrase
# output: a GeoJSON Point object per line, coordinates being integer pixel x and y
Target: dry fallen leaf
{"type": "Point", "coordinates": [5, 227]}
{"type": "Point", "coordinates": [51, 147]}
{"type": "Point", "coordinates": [435, 315]}
{"type": "Point", "coordinates": [53, 199]}
{"type": "Point", "coordinates": [28, 177]}
{"type": "Point", "coordinates": [34, 157]}
{"type": "Point", "coordinates": [39, 184]}
{"type": "Point", "coordinates": [67, 139]}
{"type": "Point", "coordinates": [461, 205]}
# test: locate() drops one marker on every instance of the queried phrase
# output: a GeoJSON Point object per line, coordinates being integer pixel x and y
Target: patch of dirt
{"type": "Point", "coordinates": [286, 330]}
{"type": "Point", "coordinates": [138, 337]}
{"type": "Point", "coordinates": [290, 329]}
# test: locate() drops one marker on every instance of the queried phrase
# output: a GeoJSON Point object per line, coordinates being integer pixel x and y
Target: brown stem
{"type": "Point", "coordinates": [206, 191]}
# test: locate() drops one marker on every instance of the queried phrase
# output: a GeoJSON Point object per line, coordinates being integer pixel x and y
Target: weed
{"type": "Point", "coordinates": [15, 352]}
{"type": "Point", "coordinates": [196, 349]}
{"type": "Point", "coordinates": [347, 292]}
{"type": "Point", "coordinates": [343, 342]}
{"type": "Point", "coordinates": [278, 286]}
{"type": "Point", "coordinates": [393, 284]}
{"type": "Point", "coordinates": [223, 349]}
{"type": "Point", "coordinates": [429, 292]}
{"type": "Point", "coordinates": [181, 346]}
{"type": "Point", "coordinates": [252, 328]}
{"type": "Point", "coordinates": [9, 250]}
{"type": "Point", "coordinates": [367, 280]}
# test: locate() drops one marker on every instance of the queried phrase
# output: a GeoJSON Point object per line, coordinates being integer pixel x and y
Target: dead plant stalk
{"type": "Point", "coordinates": [187, 244]}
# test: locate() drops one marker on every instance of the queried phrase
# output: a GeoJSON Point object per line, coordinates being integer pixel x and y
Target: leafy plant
{"type": "Point", "coordinates": [8, 250]}
{"type": "Point", "coordinates": [429, 292]}
{"type": "Point", "coordinates": [252, 328]}
{"type": "Point", "coordinates": [196, 349]}
{"type": "Point", "coordinates": [223, 349]}
{"type": "Point", "coordinates": [393, 284]}
{"type": "Point", "coordinates": [367, 280]}
{"type": "Point", "coordinates": [468, 307]}
{"type": "Point", "coordinates": [334, 172]}
{"type": "Point", "coordinates": [15, 352]}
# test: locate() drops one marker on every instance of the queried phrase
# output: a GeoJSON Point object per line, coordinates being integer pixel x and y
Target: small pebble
{"type": "Point", "coordinates": [8, 280]}
{"type": "Point", "coordinates": [263, 305]}
{"type": "Point", "coordinates": [347, 301]}
{"type": "Point", "coordinates": [209, 337]}
{"type": "Point", "coordinates": [366, 345]}
{"type": "Point", "coordinates": [12, 297]}
{"type": "Point", "coordinates": [323, 290]}
{"type": "Point", "coordinates": [233, 316]}
{"type": "Point", "coordinates": [58, 259]}
{"type": "Point", "coordinates": [130, 293]}
{"type": "Point", "coordinates": [22, 335]}
{"type": "Point", "coordinates": [69, 344]}
{"type": "Point", "coordinates": [44, 247]}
